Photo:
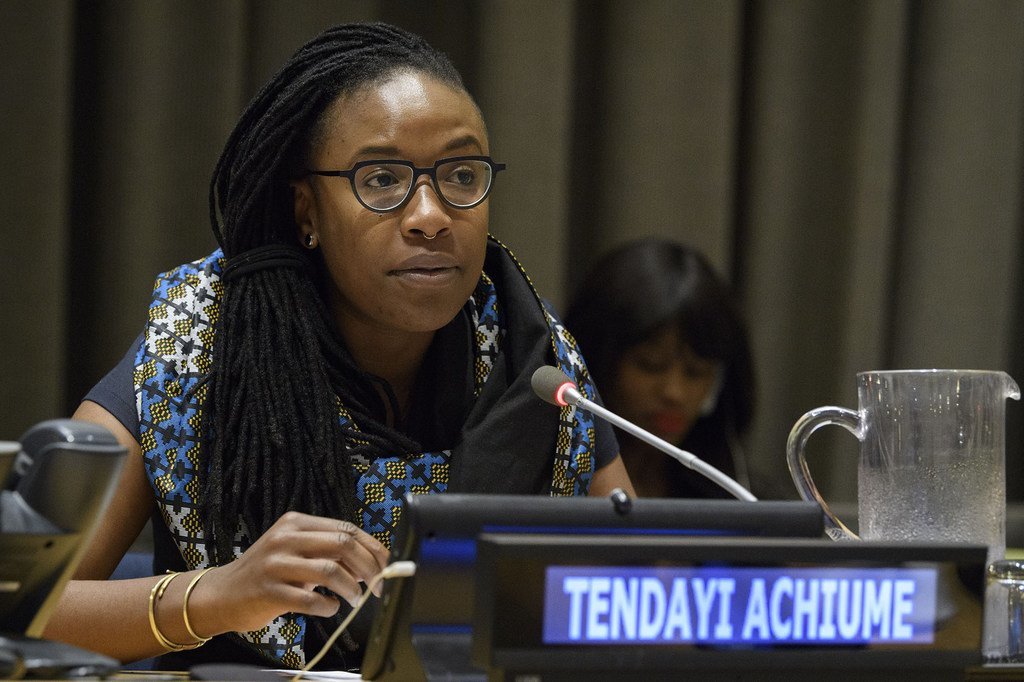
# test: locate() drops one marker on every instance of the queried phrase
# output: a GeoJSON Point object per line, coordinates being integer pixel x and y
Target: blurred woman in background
{"type": "Point", "coordinates": [667, 348]}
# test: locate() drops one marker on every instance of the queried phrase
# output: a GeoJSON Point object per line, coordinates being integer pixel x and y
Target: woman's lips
{"type": "Point", "coordinates": [427, 268]}
{"type": "Point", "coordinates": [672, 423]}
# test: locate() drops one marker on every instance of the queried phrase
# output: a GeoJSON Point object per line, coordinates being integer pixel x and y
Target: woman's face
{"type": "Point", "coordinates": [661, 385]}
{"type": "Point", "coordinates": [386, 276]}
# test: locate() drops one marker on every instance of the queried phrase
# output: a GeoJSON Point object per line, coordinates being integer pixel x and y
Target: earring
{"type": "Point", "coordinates": [310, 241]}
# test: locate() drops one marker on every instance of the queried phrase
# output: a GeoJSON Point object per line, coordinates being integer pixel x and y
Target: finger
{"type": "Point", "coordinates": [361, 553]}
{"type": "Point", "coordinates": [297, 521]}
{"type": "Point", "coordinates": [377, 550]}
{"type": "Point", "coordinates": [317, 536]}
{"type": "Point", "coordinates": [373, 545]}
{"type": "Point", "coordinates": [306, 574]}
{"type": "Point", "coordinates": [311, 602]}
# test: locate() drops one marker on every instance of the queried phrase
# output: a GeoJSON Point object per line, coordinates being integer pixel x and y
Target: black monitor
{"type": "Point", "coordinates": [423, 628]}
{"type": "Point", "coordinates": [55, 488]}
{"type": "Point", "coordinates": [711, 608]}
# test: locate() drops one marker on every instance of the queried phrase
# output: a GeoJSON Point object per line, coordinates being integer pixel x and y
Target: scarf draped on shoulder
{"type": "Point", "coordinates": [510, 441]}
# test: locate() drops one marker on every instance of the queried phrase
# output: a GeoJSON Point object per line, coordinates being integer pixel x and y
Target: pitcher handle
{"type": "Point", "coordinates": [798, 437]}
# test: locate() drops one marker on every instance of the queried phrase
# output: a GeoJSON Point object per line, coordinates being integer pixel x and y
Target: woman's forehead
{"type": "Point", "coordinates": [669, 338]}
{"type": "Point", "coordinates": [407, 113]}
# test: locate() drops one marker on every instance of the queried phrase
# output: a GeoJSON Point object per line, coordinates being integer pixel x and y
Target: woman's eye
{"type": "Point", "coordinates": [462, 176]}
{"type": "Point", "coordinates": [381, 179]}
{"type": "Point", "coordinates": [651, 364]}
{"type": "Point", "coordinates": [702, 372]}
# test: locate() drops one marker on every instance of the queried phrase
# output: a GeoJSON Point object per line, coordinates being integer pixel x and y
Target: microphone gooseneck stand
{"type": "Point", "coordinates": [553, 386]}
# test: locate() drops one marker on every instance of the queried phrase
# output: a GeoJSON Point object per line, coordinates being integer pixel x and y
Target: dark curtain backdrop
{"type": "Point", "coordinates": [854, 168]}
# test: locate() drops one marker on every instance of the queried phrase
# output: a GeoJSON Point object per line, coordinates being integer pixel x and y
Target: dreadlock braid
{"type": "Point", "coordinates": [273, 437]}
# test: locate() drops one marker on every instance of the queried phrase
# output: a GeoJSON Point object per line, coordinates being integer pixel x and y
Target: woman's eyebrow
{"type": "Point", "coordinates": [393, 152]}
{"type": "Point", "coordinates": [389, 152]}
{"type": "Point", "coordinates": [463, 141]}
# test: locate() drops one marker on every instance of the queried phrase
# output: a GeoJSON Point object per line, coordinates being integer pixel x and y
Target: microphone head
{"type": "Point", "coordinates": [550, 383]}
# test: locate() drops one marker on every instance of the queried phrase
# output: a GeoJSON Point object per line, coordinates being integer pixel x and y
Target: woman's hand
{"type": "Point", "coordinates": [279, 572]}
{"type": "Point", "coordinates": [276, 575]}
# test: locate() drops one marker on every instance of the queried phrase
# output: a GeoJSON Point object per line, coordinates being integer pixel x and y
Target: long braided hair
{"type": "Point", "coordinates": [272, 433]}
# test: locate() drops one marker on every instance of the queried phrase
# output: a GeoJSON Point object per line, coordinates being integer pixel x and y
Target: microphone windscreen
{"type": "Point", "coordinates": [546, 381]}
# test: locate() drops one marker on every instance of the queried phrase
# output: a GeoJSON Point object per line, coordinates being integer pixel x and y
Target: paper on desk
{"type": "Point", "coordinates": [320, 674]}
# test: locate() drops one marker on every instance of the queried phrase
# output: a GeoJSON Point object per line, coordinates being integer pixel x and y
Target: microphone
{"type": "Point", "coordinates": [552, 386]}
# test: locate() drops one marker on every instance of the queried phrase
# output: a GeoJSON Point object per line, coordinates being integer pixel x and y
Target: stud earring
{"type": "Point", "coordinates": [310, 241]}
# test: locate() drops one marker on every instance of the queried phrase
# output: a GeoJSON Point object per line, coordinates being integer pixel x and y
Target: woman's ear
{"type": "Point", "coordinates": [305, 212]}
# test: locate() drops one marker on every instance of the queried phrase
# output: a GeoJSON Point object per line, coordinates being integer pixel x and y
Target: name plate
{"type": "Point", "coordinates": [726, 608]}
{"type": "Point", "coordinates": [597, 605]}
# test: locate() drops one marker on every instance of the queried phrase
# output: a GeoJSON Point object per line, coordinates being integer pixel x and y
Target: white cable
{"type": "Point", "coordinates": [398, 569]}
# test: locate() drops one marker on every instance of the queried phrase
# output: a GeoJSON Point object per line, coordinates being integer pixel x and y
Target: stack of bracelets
{"type": "Point", "coordinates": [156, 594]}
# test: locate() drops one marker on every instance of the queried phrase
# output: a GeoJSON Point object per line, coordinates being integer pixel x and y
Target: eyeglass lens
{"type": "Point", "coordinates": [383, 186]}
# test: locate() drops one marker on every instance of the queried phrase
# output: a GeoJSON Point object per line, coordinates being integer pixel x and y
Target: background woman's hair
{"type": "Point", "coordinates": [272, 433]}
{"type": "Point", "coordinates": [636, 291]}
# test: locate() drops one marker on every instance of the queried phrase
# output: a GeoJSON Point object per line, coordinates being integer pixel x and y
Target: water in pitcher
{"type": "Point", "coordinates": [958, 501]}
{"type": "Point", "coordinates": [931, 458]}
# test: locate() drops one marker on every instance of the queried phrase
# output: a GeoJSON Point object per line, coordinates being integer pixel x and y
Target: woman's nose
{"type": "Point", "coordinates": [675, 385]}
{"type": "Point", "coordinates": [425, 214]}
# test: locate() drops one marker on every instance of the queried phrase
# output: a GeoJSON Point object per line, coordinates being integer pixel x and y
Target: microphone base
{"type": "Point", "coordinates": [23, 656]}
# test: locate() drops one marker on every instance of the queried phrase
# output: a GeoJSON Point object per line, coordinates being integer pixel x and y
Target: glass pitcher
{"type": "Point", "coordinates": [932, 456]}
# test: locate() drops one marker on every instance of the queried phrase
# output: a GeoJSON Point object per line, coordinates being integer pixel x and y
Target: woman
{"type": "Point", "coordinates": [662, 336]}
{"type": "Point", "coordinates": [357, 337]}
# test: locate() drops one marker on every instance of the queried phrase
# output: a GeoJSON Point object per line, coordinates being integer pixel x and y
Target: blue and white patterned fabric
{"type": "Point", "coordinates": [171, 369]}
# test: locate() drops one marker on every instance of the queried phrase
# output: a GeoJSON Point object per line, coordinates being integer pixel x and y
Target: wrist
{"type": "Point", "coordinates": [189, 589]}
{"type": "Point", "coordinates": [180, 615]}
{"type": "Point", "coordinates": [207, 612]}
{"type": "Point", "coordinates": [160, 622]}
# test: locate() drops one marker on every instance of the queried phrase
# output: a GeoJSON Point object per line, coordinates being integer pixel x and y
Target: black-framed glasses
{"type": "Point", "coordinates": [384, 185]}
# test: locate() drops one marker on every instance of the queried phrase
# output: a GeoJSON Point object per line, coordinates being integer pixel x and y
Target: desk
{"type": "Point", "coordinates": [978, 674]}
{"type": "Point", "coordinates": [996, 673]}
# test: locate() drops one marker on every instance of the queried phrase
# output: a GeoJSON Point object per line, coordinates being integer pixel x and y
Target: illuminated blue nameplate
{"type": "Point", "coordinates": [603, 605]}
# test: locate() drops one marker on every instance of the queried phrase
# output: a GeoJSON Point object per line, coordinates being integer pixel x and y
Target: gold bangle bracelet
{"type": "Point", "coordinates": [155, 595]}
{"type": "Point", "coordinates": [184, 606]}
